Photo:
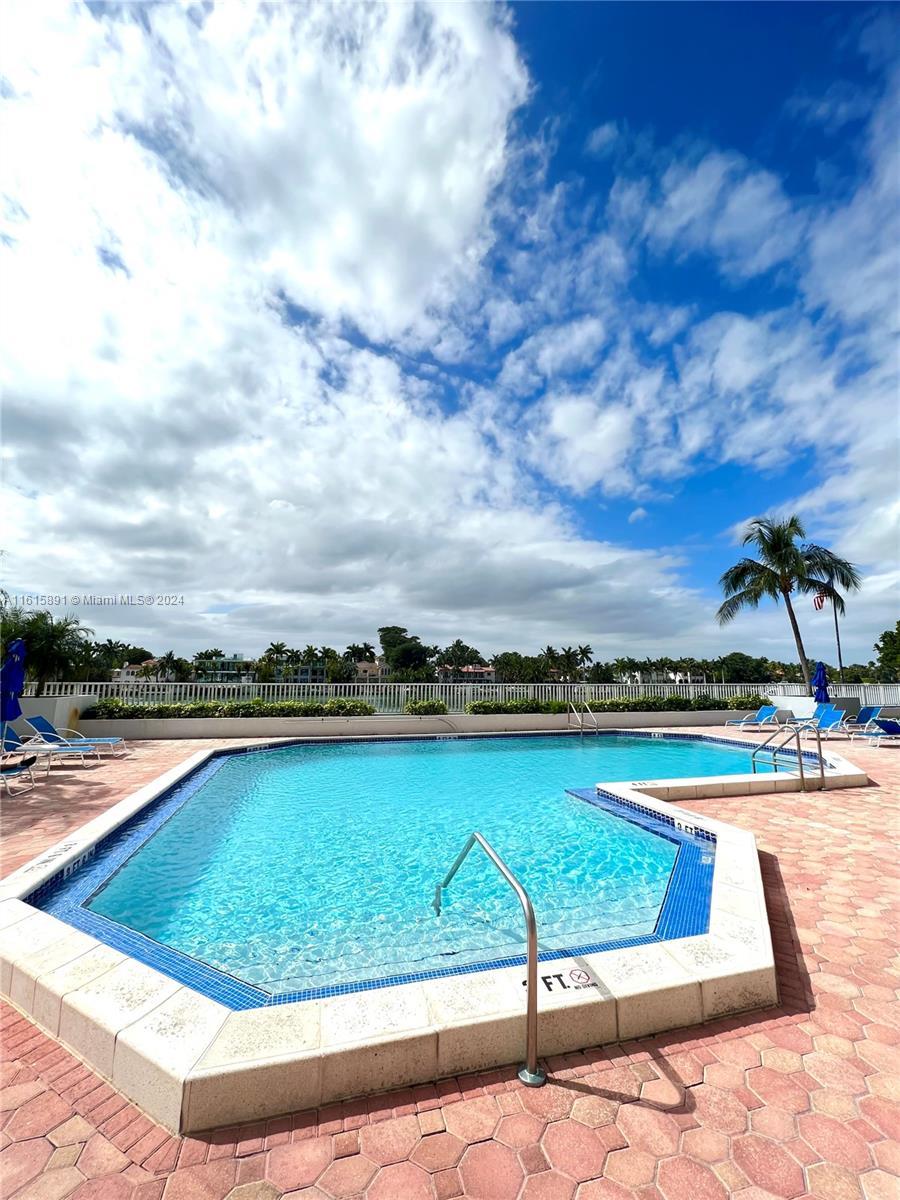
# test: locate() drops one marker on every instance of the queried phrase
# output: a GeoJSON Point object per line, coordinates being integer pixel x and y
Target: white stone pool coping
{"type": "Point", "coordinates": [193, 1064]}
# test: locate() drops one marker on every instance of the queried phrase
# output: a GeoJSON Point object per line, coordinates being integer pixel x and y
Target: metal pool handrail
{"type": "Point", "coordinates": [793, 733]}
{"type": "Point", "coordinates": [530, 1074]}
{"type": "Point", "coordinates": [579, 715]}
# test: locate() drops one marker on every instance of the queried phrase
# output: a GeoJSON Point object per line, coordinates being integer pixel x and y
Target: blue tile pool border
{"type": "Point", "coordinates": [684, 911]}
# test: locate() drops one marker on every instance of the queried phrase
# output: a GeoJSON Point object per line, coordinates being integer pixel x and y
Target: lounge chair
{"type": "Point", "coordinates": [48, 732]}
{"type": "Point", "coordinates": [765, 716]}
{"type": "Point", "coordinates": [818, 712]}
{"type": "Point", "coordinates": [829, 722]}
{"type": "Point", "coordinates": [13, 770]}
{"type": "Point", "coordinates": [864, 719]}
{"type": "Point", "coordinates": [888, 730]}
{"type": "Point", "coordinates": [13, 744]}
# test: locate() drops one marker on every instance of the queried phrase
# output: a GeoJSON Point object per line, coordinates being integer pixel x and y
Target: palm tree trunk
{"type": "Point", "coordinates": [801, 653]}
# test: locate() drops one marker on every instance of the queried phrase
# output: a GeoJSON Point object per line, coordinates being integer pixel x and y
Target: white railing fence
{"type": "Point", "coordinates": [393, 697]}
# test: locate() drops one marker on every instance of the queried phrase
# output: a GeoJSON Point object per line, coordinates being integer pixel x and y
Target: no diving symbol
{"type": "Point", "coordinates": [577, 979]}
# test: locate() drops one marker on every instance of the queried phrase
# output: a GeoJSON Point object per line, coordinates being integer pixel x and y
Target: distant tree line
{"type": "Point", "coordinates": [64, 648]}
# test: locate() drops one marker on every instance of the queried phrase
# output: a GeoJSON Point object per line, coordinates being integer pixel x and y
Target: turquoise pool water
{"type": "Point", "coordinates": [316, 865]}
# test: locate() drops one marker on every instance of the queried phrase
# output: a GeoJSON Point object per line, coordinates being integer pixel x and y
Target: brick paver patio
{"type": "Point", "coordinates": [800, 1101]}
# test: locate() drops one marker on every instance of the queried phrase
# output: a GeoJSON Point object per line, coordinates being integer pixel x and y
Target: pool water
{"type": "Point", "coordinates": [316, 865]}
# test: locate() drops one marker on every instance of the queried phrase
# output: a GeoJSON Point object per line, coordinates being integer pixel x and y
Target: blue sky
{"type": "Point", "coordinates": [496, 322]}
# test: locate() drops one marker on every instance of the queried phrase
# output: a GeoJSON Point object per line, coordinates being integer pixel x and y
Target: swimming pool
{"type": "Point", "coordinates": [309, 869]}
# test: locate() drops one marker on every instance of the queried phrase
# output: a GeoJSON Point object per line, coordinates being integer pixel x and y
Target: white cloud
{"type": "Point", "coordinates": [637, 514]}
{"type": "Point", "coordinates": [723, 206]}
{"type": "Point", "coordinates": [600, 140]}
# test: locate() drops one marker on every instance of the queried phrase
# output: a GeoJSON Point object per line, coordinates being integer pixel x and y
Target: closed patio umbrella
{"type": "Point", "coordinates": [820, 683]}
{"type": "Point", "coordinates": [12, 682]}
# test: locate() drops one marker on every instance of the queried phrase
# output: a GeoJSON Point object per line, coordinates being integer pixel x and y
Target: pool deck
{"type": "Point", "coordinates": [795, 1101]}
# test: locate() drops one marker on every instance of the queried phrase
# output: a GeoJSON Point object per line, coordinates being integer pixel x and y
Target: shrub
{"type": "Point", "coordinates": [751, 702]}
{"type": "Point", "coordinates": [426, 708]}
{"type": "Point", "coordinates": [118, 710]}
{"type": "Point", "coordinates": [617, 705]}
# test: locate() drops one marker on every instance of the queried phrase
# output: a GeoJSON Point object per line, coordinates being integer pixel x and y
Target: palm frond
{"type": "Point", "coordinates": [827, 565]}
{"type": "Point", "coordinates": [749, 598]}
{"type": "Point", "coordinates": [748, 573]}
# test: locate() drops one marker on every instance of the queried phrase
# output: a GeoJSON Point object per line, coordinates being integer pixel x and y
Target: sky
{"type": "Point", "coordinates": [493, 322]}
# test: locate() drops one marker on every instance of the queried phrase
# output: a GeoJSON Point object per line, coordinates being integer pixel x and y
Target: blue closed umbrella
{"type": "Point", "coordinates": [820, 683]}
{"type": "Point", "coordinates": [12, 682]}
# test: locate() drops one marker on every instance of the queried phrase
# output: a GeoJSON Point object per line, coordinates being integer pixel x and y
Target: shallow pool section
{"type": "Point", "coordinates": [310, 869]}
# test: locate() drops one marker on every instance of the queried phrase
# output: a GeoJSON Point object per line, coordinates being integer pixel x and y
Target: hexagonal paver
{"type": "Point", "coordinates": [719, 1110]}
{"type": "Point", "coordinates": [830, 1182]}
{"type": "Point", "coordinates": [649, 1130]}
{"type": "Point", "coordinates": [835, 1073]}
{"type": "Point", "coordinates": [38, 1116]}
{"type": "Point", "coordinates": [683, 1179]}
{"type": "Point", "coordinates": [550, 1102]}
{"type": "Point", "coordinates": [781, 1091]}
{"type": "Point", "coordinates": [768, 1166]}
{"type": "Point", "coordinates": [879, 1185]}
{"type": "Point", "coordinates": [473, 1120]}
{"type": "Point", "coordinates": [520, 1129]}
{"type": "Point", "coordinates": [298, 1164]}
{"type": "Point", "coordinates": [389, 1141]}
{"type": "Point", "coordinates": [401, 1179]}
{"type": "Point", "coordinates": [348, 1176]}
{"type": "Point", "coordinates": [490, 1171]}
{"type": "Point", "coordinates": [549, 1185]}
{"type": "Point", "coordinates": [633, 1168]}
{"type": "Point", "coordinates": [705, 1144]}
{"type": "Point", "coordinates": [438, 1152]}
{"type": "Point", "coordinates": [834, 1104]}
{"type": "Point", "coordinates": [206, 1182]}
{"type": "Point", "coordinates": [603, 1189]}
{"type": "Point", "coordinates": [738, 1052]}
{"type": "Point", "coordinates": [779, 1059]}
{"type": "Point", "coordinates": [834, 1141]}
{"type": "Point", "coordinates": [882, 1114]}
{"type": "Point", "coordinates": [22, 1162]}
{"type": "Point", "coordinates": [774, 1123]}
{"type": "Point", "coordinates": [100, 1157]}
{"type": "Point", "coordinates": [574, 1150]}
{"type": "Point", "coordinates": [663, 1093]}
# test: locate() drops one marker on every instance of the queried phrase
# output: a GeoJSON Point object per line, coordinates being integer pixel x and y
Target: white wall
{"type": "Point", "coordinates": [63, 711]}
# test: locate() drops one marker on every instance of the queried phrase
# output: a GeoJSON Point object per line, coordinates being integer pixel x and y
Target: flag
{"type": "Point", "coordinates": [819, 601]}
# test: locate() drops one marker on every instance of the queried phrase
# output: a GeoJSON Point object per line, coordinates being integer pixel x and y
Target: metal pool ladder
{"type": "Point", "coordinates": [793, 734]}
{"type": "Point", "coordinates": [581, 712]}
{"type": "Point", "coordinates": [530, 1074]}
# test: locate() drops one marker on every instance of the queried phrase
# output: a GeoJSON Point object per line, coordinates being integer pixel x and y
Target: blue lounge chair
{"type": "Point", "coordinates": [48, 732]}
{"type": "Point", "coordinates": [888, 730]}
{"type": "Point", "coordinates": [818, 712]}
{"type": "Point", "coordinates": [765, 716]}
{"type": "Point", "coordinates": [865, 718]}
{"type": "Point", "coordinates": [829, 722]}
{"type": "Point", "coordinates": [13, 744]}
{"type": "Point", "coordinates": [14, 770]}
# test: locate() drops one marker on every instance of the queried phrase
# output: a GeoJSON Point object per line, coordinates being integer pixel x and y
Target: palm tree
{"type": "Point", "coordinates": [310, 656]}
{"type": "Point", "coordinates": [167, 665]}
{"type": "Point", "coordinates": [368, 652]}
{"type": "Point", "coordinates": [276, 651]}
{"type": "Point", "coordinates": [568, 662]}
{"type": "Point", "coordinates": [53, 645]}
{"type": "Point", "coordinates": [783, 566]}
{"type": "Point", "coordinates": [585, 655]}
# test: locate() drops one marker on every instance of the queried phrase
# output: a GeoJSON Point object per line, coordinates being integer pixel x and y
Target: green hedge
{"type": "Point", "coordinates": [426, 708]}
{"type": "Point", "coordinates": [117, 710]}
{"type": "Point", "coordinates": [642, 704]}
